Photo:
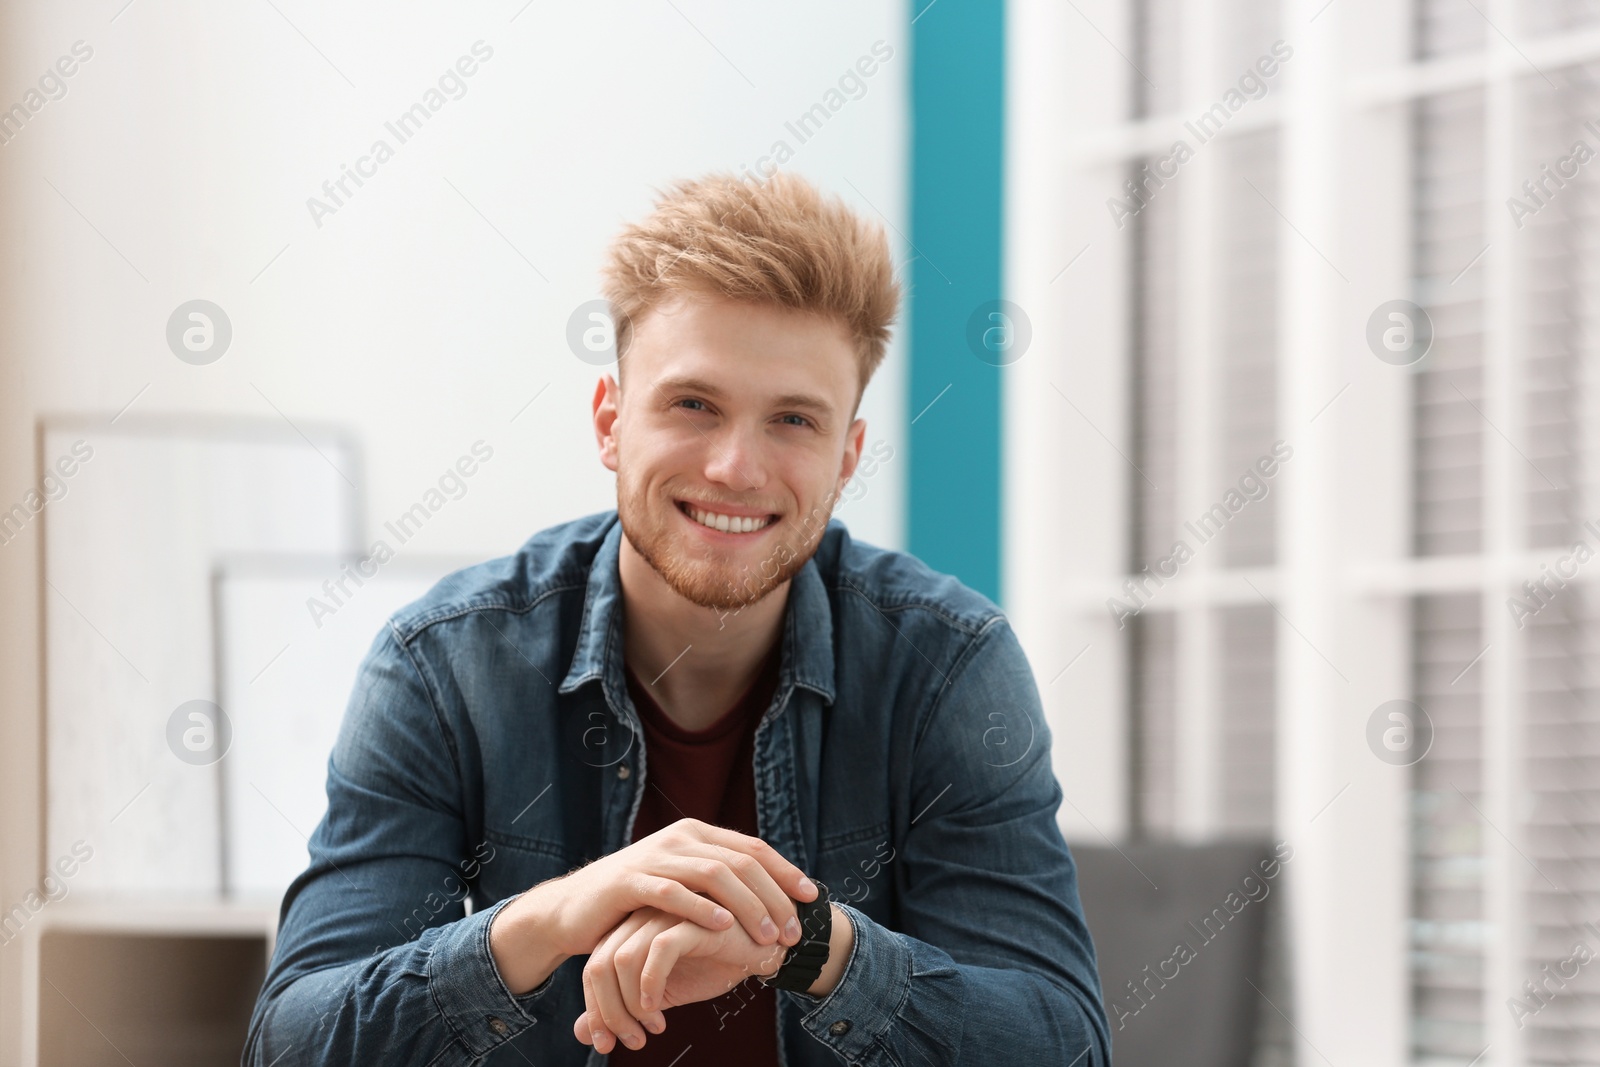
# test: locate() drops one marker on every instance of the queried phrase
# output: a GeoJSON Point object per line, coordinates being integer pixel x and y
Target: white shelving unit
{"type": "Point", "coordinates": [165, 980]}
{"type": "Point", "coordinates": [147, 952]}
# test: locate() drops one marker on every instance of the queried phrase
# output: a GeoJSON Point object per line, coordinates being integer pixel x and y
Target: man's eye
{"type": "Point", "coordinates": [693, 401]}
{"type": "Point", "coordinates": [800, 420]}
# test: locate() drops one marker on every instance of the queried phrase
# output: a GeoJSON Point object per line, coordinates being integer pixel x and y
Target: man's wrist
{"type": "Point", "coordinates": [522, 944]}
{"type": "Point", "coordinates": [841, 942]}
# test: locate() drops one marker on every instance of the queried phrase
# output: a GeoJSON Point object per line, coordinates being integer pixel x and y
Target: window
{"type": "Point", "coordinates": [1434, 535]}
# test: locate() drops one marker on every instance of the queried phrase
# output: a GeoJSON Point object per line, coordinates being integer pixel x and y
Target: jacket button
{"type": "Point", "coordinates": [622, 771]}
{"type": "Point", "coordinates": [840, 1028]}
{"type": "Point", "coordinates": [498, 1025]}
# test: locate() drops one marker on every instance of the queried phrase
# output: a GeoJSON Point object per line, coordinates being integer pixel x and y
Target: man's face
{"type": "Point", "coordinates": [737, 415]}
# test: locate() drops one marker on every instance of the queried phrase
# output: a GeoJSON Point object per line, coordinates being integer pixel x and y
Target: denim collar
{"type": "Point", "coordinates": [807, 638]}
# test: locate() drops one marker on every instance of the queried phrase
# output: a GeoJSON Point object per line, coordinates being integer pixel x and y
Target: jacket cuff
{"type": "Point", "coordinates": [859, 1010]}
{"type": "Point", "coordinates": [467, 988]}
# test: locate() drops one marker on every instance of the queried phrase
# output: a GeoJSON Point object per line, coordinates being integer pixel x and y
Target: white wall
{"type": "Point", "coordinates": [431, 307]}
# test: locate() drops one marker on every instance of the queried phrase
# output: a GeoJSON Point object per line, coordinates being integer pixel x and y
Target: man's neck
{"type": "Point", "coordinates": [695, 661]}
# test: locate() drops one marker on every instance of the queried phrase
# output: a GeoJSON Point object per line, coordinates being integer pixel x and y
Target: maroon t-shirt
{"type": "Point", "coordinates": [708, 775]}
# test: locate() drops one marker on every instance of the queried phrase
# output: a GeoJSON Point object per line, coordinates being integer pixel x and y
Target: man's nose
{"type": "Point", "coordinates": [736, 459]}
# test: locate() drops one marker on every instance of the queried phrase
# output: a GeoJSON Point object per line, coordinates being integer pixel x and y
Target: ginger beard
{"type": "Point", "coordinates": [704, 574]}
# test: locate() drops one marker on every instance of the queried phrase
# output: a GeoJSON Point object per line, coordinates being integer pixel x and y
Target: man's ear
{"type": "Point", "coordinates": [854, 439]}
{"type": "Point", "coordinates": [607, 402]}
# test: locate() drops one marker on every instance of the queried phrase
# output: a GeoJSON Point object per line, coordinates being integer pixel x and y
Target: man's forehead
{"type": "Point", "coordinates": [801, 376]}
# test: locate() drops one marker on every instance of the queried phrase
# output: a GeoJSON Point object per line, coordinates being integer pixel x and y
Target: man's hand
{"type": "Point", "coordinates": [711, 876]}
{"type": "Point", "coordinates": [654, 961]}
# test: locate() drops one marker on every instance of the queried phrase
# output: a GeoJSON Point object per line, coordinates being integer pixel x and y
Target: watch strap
{"type": "Point", "coordinates": [803, 964]}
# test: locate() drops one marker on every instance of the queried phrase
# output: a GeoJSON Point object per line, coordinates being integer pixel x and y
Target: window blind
{"type": "Point", "coordinates": [1447, 863]}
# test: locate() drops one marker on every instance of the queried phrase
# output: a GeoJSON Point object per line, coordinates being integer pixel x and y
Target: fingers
{"type": "Point", "coordinates": [630, 959]}
{"type": "Point", "coordinates": [742, 885]}
{"type": "Point", "coordinates": [626, 980]}
{"type": "Point", "coordinates": [721, 874]}
{"type": "Point", "coordinates": [609, 1019]}
{"type": "Point", "coordinates": [790, 880]}
{"type": "Point", "coordinates": [668, 947]}
{"type": "Point", "coordinates": [663, 952]}
{"type": "Point", "coordinates": [591, 1031]}
{"type": "Point", "coordinates": [742, 874]}
{"type": "Point", "coordinates": [670, 895]}
{"type": "Point", "coordinates": [600, 993]}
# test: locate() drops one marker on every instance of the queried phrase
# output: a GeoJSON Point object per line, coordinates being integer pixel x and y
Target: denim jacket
{"type": "Point", "coordinates": [490, 744]}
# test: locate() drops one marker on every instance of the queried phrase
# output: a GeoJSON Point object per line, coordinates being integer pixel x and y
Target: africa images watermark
{"type": "Point", "coordinates": [335, 591]}
{"type": "Point", "coordinates": [852, 85]}
{"type": "Point", "coordinates": [456, 889]}
{"type": "Point", "coordinates": [404, 127]}
{"type": "Point", "coordinates": [745, 990]}
{"type": "Point", "coordinates": [1538, 593]}
{"type": "Point", "coordinates": [1539, 191]}
{"type": "Point", "coordinates": [1255, 484]}
{"type": "Point", "coordinates": [55, 885]}
{"type": "Point", "coordinates": [1399, 732]}
{"type": "Point", "coordinates": [1252, 889]}
{"type": "Point", "coordinates": [52, 86]}
{"type": "Point", "coordinates": [53, 486]}
{"type": "Point", "coordinates": [1539, 997]}
{"type": "Point", "coordinates": [1251, 85]}
{"type": "Point", "coordinates": [849, 890]}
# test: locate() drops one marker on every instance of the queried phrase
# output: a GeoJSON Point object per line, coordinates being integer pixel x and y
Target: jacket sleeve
{"type": "Point", "coordinates": [376, 960]}
{"type": "Point", "coordinates": [992, 960]}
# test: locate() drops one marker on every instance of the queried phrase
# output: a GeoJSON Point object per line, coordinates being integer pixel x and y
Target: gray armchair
{"type": "Point", "coordinates": [1180, 931]}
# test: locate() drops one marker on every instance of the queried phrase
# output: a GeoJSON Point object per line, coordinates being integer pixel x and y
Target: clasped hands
{"type": "Point", "coordinates": [681, 916]}
{"type": "Point", "coordinates": [653, 961]}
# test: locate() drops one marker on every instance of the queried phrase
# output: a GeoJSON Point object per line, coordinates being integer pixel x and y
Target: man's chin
{"type": "Point", "coordinates": [724, 585]}
{"type": "Point", "coordinates": [717, 588]}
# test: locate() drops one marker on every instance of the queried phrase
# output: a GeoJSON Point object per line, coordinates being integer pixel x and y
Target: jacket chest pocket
{"type": "Point", "coordinates": [860, 869]}
{"type": "Point", "coordinates": [512, 864]}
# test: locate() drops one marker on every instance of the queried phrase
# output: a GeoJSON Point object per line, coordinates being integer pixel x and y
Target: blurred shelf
{"type": "Point", "coordinates": [147, 979]}
{"type": "Point", "coordinates": [163, 914]}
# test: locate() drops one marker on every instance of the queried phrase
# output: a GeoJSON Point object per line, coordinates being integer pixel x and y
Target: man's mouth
{"type": "Point", "coordinates": [715, 520]}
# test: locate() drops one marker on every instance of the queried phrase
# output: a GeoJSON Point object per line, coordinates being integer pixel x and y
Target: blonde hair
{"type": "Point", "coordinates": [777, 242]}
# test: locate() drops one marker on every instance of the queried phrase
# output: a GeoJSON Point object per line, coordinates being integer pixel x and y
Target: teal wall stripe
{"type": "Point", "coordinates": [957, 141]}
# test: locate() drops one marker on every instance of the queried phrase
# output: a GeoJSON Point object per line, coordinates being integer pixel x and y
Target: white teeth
{"type": "Point", "coordinates": [726, 523]}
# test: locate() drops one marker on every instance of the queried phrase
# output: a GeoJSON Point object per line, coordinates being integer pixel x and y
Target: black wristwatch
{"type": "Point", "coordinates": [803, 964]}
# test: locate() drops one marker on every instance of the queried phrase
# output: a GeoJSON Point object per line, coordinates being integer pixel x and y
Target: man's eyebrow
{"type": "Point", "coordinates": [788, 400]}
{"type": "Point", "coordinates": [804, 400]}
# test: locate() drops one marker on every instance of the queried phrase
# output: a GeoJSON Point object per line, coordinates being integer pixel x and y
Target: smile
{"type": "Point", "coordinates": [736, 524]}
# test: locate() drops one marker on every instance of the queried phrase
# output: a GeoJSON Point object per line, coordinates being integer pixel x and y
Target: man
{"type": "Point", "coordinates": [721, 785]}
